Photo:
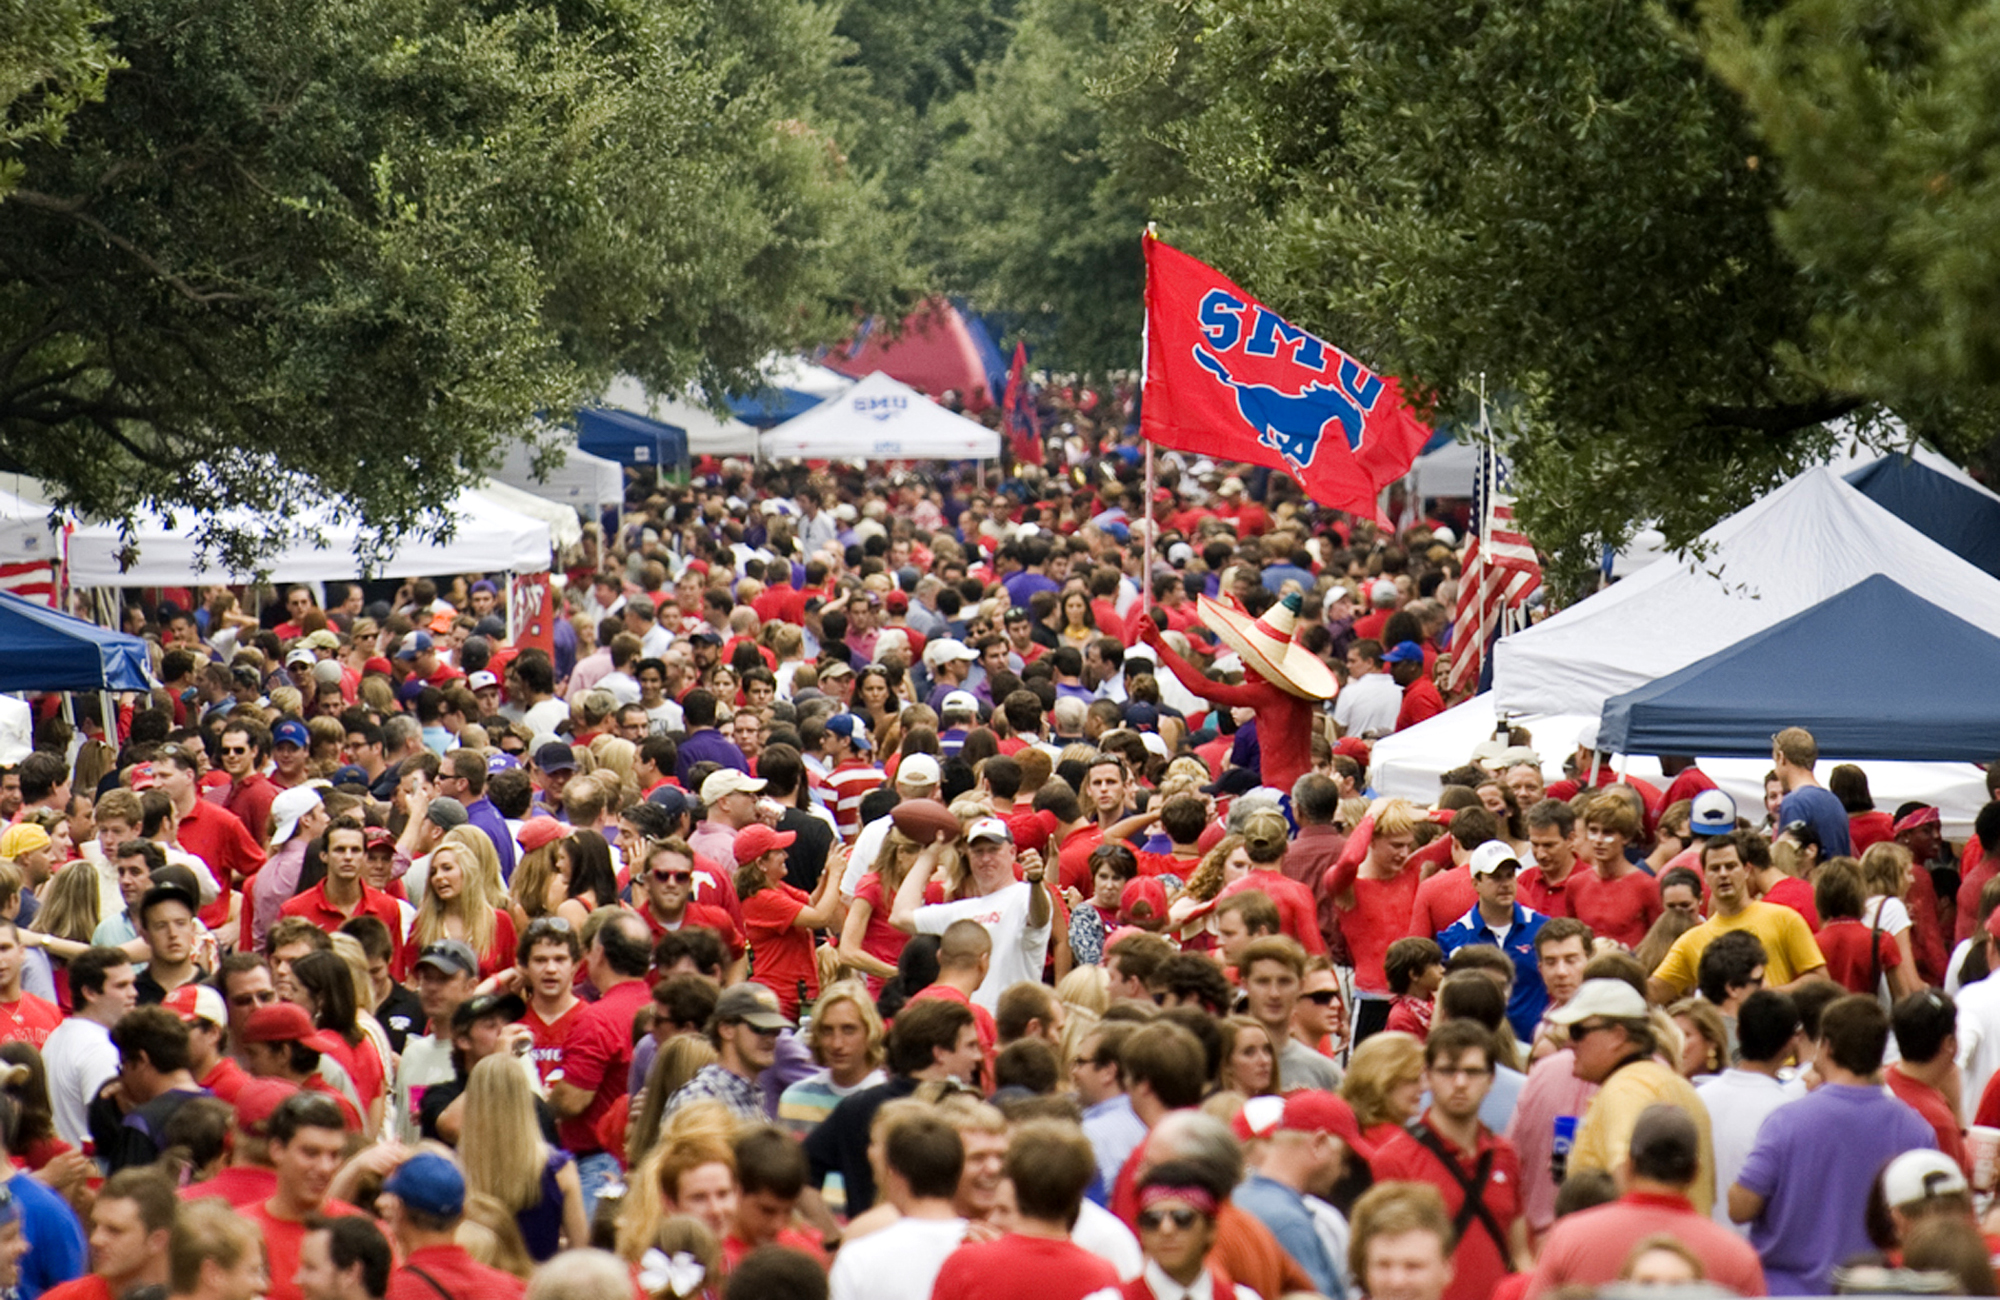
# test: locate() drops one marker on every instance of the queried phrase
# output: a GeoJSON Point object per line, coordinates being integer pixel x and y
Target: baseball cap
{"type": "Point", "coordinates": [1142, 716]}
{"type": "Point", "coordinates": [1355, 748]}
{"type": "Point", "coordinates": [706, 636]}
{"type": "Point", "coordinates": [727, 781]}
{"type": "Point", "coordinates": [1491, 856]}
{"type": "Point", "coordinates": [501, 761]}
{"type": "Point", "coordinates": [288, 807]}
{"type": "Point", "coordinates": [1383, 593]}
{"type": "Point", "coordinates": [430, 1184]}
{"type": "Point", "coordinates": [555, 756]}
{"type": "Point", "coordinates": [301, 654]}
{"type": "Point", "coordinates": [167, 892]}
{"type": "Point", "coordinates": [757, 839]}
{"type": "Point", "coordinates": [321, 640]}
{"type": "Point", "coordinates": [741, 1004]}
{"type": "Point", "coordinates": [258, 1099]}
{"type": "Point", "coordinates": [245, 675]}
{"type": "Point", "coordinates": [377, 837]}
{"type": "Point", "coordinates": [451, 956]}
{"type": "Point", "coordinates": [446, 813]}
{"type": "Point", "coordinates": [1713, 813]}
{"type": "Point", "coordinates": [1308, 1110]}
{"type": "Point", "coordinates": [838, 668]}
{"type": "Point", "coordinates": [377, 664]}
{"type": "Point", "coordinates": [1404, 652]}
{"type": "Point", "coordinates": [508, 1006]}
{"type": "Point", "coordinates": [989, 828]}
{"type": "Point", "coordinates": [1142, 892]}
{"type": "Point", "coordinates": [539, 832]}
{"type": "Point", "coordinates": [961, 700]}
{"type": "Point", "coordinates": [671, 798]}
{"type": "Point", "coordinates": [480, 680]}
{"type": "Point", "coordinates": [413, 645]}
{"type": "Point", "coordinates": [197, 1001]}
{"type": "Point", "coordinates": [287, 1022]}
{"type": "Point", "coordinates": [1921, 1175]}
{"type": "Point", "coordinates": [350, 774]}
{"type": "Point", "coordinates": [327, 672]}
{"type": "Point", "coordinates": [918, 769]}
{"type": "Point", "coordinates": [1612, 999]}
{"type": "Point", "coordinates": [850, 728]}
{"type": "Point", "coordinates": [947, 650]}
{"type": "Point", "coordinates": [896, 602]}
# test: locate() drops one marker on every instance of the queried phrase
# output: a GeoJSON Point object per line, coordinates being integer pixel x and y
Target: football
{"type": "Point", "coordinates": [924, 819]}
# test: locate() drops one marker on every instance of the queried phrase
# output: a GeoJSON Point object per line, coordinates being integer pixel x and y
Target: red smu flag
{"type": "Point", "coordinates": [1017, 411]}
{"type": "Point", "coordinates": [1229, 378]}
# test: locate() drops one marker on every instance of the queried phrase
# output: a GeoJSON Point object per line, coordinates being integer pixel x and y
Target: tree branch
{"type": "Point", "coordinates": [1782, 417]}
{"type": "Point", "coordinates": [72, 208]}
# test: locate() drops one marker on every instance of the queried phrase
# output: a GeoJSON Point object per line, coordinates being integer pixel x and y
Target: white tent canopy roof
{"type": "Point", "coordinates": [708, 434]}
{"type": "Point", "coordinates": [25, 536]}
{"type": "Point", "coordinates": [1407, 764]}
{"type": "Point", "coordinates": [565, 528]}
{"type": "Point", "coordinates": [490, 538]}
{"type": "Point", "coordinates": [582, 481]}
{"type": "Point", "coordinates": [1450, 471]}
{"type": "Point", "coordinates": [881, 419]}
{"type": "Point", "coordinates": [1808, 540]}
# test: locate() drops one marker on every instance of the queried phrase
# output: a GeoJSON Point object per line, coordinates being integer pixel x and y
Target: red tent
{"type": "Point", "coordinates": [935, 351]}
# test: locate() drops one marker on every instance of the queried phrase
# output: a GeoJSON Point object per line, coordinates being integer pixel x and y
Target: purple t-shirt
{"type": "Point", "coordinates": [1813, 1163]}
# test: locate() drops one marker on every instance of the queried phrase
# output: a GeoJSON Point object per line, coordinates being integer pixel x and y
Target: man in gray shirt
{"type": "Point", "coordinates": [1273, 971]}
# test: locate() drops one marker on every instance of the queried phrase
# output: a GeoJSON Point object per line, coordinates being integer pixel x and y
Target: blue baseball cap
{"type": "Point", "coordinates": [291, 732]}
{"type": "Point", "coordinates": [850, 728]}
{"type": "Point", "coordinates": [413, 645]}
{"type": "Point", "coordinates": [350, 774]}
{"type": "Point", "coordinates": [429, 1184]}
{"type": "Point", "coordinates": [1405, 652]}
{"type": "Point", "coordinates": [672, 799]}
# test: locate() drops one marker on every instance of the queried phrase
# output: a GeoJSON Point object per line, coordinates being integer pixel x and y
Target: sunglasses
{"type": "Point", "coordinates": [1153, 1220]}
{"type": "Point", "coordinates": [1323, 997]}
{"type": "Point", "coordinates": [235, 749]}
{"type": "Point", "coordinates": [673, 877]}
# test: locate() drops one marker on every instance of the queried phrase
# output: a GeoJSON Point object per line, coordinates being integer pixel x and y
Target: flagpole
{"type": "Point", "coordinates": [1146, 580]}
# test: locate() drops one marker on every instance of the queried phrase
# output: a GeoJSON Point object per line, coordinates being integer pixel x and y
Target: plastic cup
{"type": "Point", "coordinates": [1982, 1144]}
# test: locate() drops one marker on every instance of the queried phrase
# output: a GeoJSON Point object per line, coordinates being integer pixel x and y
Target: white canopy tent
{"type": "Point", "coordinates": [707, 433]}
{"type": "Point", "coordinates": [1808, 540]}
{"type": "Point", "coordinates": [490, 538]}
{"type": "Point", "coordinates": [582, 482]}
{"type": "Point", "coordinates": [1407, 764]}
{"type": "Point", "coordinates": [565, 529]}
{"type": "Point", "coordinates": [881, 419]}
{"type": "Point", "coordinates": [1450, 471]}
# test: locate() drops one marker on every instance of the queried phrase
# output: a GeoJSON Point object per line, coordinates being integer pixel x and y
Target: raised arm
{"type": "Point", "coordinates": [1246, 696]}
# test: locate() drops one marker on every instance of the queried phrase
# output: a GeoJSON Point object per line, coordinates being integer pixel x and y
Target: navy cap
{"type": "Point", "coordinates": [350, 774]}
{"type": "Point", "coordinates": [413, 645]}
{"type": "Point", "coordinates": [848, 727]}
{"type": "Point", "coordinates": [672, 799]}
{"type": "Point", "coordinates": [291, 732]}
{"type": "Point", "coordinates": [430, 1184]}
{"type": "Point", "coordinates": [555, 757]}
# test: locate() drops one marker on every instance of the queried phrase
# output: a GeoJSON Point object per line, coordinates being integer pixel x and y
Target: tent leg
{"type": "Point", "coordinates": [108, 711]}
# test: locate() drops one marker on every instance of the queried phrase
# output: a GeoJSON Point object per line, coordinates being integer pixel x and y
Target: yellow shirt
{"type": "Point", "coordinates": [1604, 1138]}
{"type": "Point", "coordinates": [1789, 949]}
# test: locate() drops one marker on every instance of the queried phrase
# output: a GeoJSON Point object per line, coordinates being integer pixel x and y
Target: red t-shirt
{"type": "Point", "coordinates": [1869, 828]}
{"type": "Point", "coordinates": [982, 1021]}
{"type": "Point", "coordinates": [1797, 895]}
{"type": "Point", "coordinates": [552, 1036]}
{"type": "Point", "coordinates": [879, 939]}
{"type": "Point", "coordinates": [699, 916]}
{"type": "Point", "coordinates": [241, 1185]}
{"type": "Point", "coordinates": [226, 1080]}
{"type": "Point", "coordinates": [781, 953]}
{"type": "Point", "coordinates": [88, 1287]}
{"type": "Point", "coordinates": [451, 1272]}
{"type": "Point", "coordinates": [1023, 1268]}
{"type": "Point", "coordinates": [1930, 1103]}
{"type": "Point", "coordinates": [1421, 701]}
{"type": "Point", "coordinates": [1443, 899]}
{"type": "Point", "coordinates": [1535, 893]}
{"type": "Point", "coordinates": [1479, 1262]}
{"type": "Point", "coordinates": [281, 1244]}
{"type": "Point", "coordinates": [1074, 860]}
{"type": "Point", "coordinates": [1621, 910]}
{"type": "Point", "coordinates": [598, 1058]}
{"type": "Point", "coordinates": [1166, 864]}
{"type": "Point", "coordinates": [1845, 945]}
{"type": "Point", "coordinates": [803, 1240]}
{"type": "Point", "coordinates": [1381, 911]}
{"type": "Point", "coordinates": [28, 1019]}
{"type": "Point", "coordinates": [1297, 909]}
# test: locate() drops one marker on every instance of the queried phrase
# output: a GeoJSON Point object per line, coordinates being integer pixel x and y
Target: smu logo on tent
{"type": "Point", "coordinates": [1290, 423]}
{"type": "Point", "coordinates": [881, 408]}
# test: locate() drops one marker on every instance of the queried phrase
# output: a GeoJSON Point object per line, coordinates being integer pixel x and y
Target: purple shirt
{"type": "Point", "coordinates": [481, 813]}
{"type": "Point", "coordinates": [708, 746]}
{"type": "Point", "coordinates": [1813, 1163]}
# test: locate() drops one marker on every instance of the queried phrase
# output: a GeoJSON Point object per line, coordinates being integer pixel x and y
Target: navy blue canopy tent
{"type": "Point", "coordinates": [1874, 672]}
{"type": "Point", "coordinates": [1960, 518]}
{"type": "Point", "coordinates": [630, 439]}
{"type": "Point", "coordinates": [42, 649]}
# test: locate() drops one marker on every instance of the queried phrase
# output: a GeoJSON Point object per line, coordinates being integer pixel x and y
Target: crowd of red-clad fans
{"type": "Point", "coordinates": [884, 887]}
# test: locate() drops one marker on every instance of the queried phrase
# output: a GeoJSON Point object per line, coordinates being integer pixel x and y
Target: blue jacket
{"type": "Point", "coordinates": [1530, 998]}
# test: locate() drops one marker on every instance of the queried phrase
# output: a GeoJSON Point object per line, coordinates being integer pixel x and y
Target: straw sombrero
{"type": "Point", "coordinates": [1266, 645]}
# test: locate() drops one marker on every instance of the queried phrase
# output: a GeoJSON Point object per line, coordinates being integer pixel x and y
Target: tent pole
{"type": "Point", "coordinates": [107, 705]}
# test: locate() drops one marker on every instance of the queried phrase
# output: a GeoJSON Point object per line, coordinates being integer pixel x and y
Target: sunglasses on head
{"type": "Point", "coordinates": [1152, 1220]}
{"type": "Point", "coordinates": [548, 925]}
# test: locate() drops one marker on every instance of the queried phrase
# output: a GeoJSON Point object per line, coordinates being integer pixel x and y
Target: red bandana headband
{"type": "Point", "coordinates": [1198, 1197]}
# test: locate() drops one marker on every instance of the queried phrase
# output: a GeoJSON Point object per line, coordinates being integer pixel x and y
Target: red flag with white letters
{"type": "Point", "coordinates": [1230, 379]}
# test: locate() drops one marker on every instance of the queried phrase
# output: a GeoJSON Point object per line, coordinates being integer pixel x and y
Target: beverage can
{"type": "Point", "coordinates": [1565, 1134]}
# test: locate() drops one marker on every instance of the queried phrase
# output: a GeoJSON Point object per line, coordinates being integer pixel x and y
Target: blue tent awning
{"type": "Point", "coordinates": [1962, 519]}
{"type": "Point", "coordinates": [630, 439]}
{"type": "Point", "coordinates": [1874, 672]}
{"type": "Point", "coordinates": [42, 649]}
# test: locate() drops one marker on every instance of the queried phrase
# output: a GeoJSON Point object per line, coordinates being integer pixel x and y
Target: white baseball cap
{"type": "Point", "coordinates": [727, 781]}
{"type": "Point", "coordinates": [1713, 813]}
{"type": "Point", "coordinates": [1491, 856]}
{"type": "Point", "coordinates": [480, 680]}
{"type": "Point", "coordinates": [946, 650]}
{"type": "Point", "coordinates": [1612, 999]}
{"type": "Point", "coordinates": [918, 769]}
{"type": "Point", "coordinates": [961, 700]}
{"type": "Point", "coordinates": [1920, 1175]}
{"type": "Point", "coordinates": [989, 828]}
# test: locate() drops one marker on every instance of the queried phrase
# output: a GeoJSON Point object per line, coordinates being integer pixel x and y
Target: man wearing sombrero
{"type": "Point", "coordinates": [1282, 681]}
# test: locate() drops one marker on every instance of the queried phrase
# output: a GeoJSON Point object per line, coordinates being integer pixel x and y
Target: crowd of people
{"type": "Point", "coordinates": [881, 887]}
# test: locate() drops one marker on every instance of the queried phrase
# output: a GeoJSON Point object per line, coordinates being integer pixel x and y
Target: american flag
{"type": "Point", "coordinates": [1501, 570]}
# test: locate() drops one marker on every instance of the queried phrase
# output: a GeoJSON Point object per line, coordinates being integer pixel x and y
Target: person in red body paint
{"type": "Point", "coordinates": [1282, 681]}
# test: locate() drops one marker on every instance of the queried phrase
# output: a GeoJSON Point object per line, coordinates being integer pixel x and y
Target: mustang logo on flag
{"type": "Point", "coordinates": [1231, 379]}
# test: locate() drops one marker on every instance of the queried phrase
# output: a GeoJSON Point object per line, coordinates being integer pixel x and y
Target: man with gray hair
{"type": "Point", "coordinates": [1069, 714]}
{"type": "Point", "coordinates": [1589, 1247]}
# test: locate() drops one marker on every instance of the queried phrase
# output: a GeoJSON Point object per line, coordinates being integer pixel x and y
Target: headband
{"type": "Point", "coordinates": [1198, 1197]}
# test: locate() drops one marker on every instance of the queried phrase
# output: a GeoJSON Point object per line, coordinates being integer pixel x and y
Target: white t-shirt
{"type": "Point", "coordinates": [1018, 950]}
{"type": "Point", "coordinates": [899, 1262]}
{"type": "Point", "coordinates": [79, 1058]}
{"type": "Point", "coordinates": [546, 716]}
{"type": "Point", "coordinates": [861, 859]}
{"type": "Point", "coordinates": [1105, 1235]}
{"type": "Point", "coordinates": [1368, 704]}
{"type": "Point", "coordinates": [1738, 1102]}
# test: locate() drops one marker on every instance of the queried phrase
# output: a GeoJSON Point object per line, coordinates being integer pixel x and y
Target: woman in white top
{"type": "Point", "coordinates": [1885, 872]}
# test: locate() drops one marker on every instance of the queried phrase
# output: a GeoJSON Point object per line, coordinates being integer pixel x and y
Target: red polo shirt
{"type": "Point", "coordinates": [438, 1271]}
{"type": "Point", "coordinates": [250, 799]}
{"type": "Point", "coordinates": [1297, 909]}
{"type": "Point", "coordinates": [316, 907]}
{"type": "Point", "coordinates": [1536, 893]}
{"type": "Point", "coordinates": [598, 1059]}
{"type": "Point", "coordinates": [214, 835]}
{"type": "Point", "coordinates": [699, 916]}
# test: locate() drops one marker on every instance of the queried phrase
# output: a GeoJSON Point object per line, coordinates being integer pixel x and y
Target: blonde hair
{"type": "Point", "coordinates": [529, 888]}
{"type": "Point", "coordinates": [1397, 817]}
{"type": "Point", "coordinates": [1378, 1066]}
{"type": "Point", "coordinates": [683, 1233]}
{"type": "Point", "coordinates": [1086, 988]}
{"type": "Point", "coordinates": [69, 902]}
{"type": "Point", "coordinates": [501, 1145]}
{"type": "Point", "coordinates": [479, 876]}
{"type": "Point", "coordinates": [679, 1059]}
{"type": "Point", "coordinates": [1205, 881]}
{"type": "Point", "coordinates": [490, 1235]}
{"type": "Point", "coordinates": [855, 994]}
{"type": "Point", "coordinates": [1885, 868]}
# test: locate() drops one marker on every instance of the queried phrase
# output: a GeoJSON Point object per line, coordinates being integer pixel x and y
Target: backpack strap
{"type": "Point", "coordinates": [1471, 1187]}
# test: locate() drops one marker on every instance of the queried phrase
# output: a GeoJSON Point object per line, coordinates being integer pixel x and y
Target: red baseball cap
{"type": "Point", "coordinates": [1146, 892]}
{"type": "Point", "coordinates": [1308, 1110]}
{"type": "Point", "coordinates": [143, 777]}
{"type": "Point", "coordinates": [377, 664]}
{"type": "Point", "coordinates": [754, 841]}
{"type": "Point", "coordinates": [1032, 829]}
{"type": "Point", "coordinates": [287, 1022]}
{"type": "Point", "coordinates": [197, 1001]}
{"type": "Point", "coordinates": [540, 832]}
{"type": "Point", "coordinates": [1354, 747]}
